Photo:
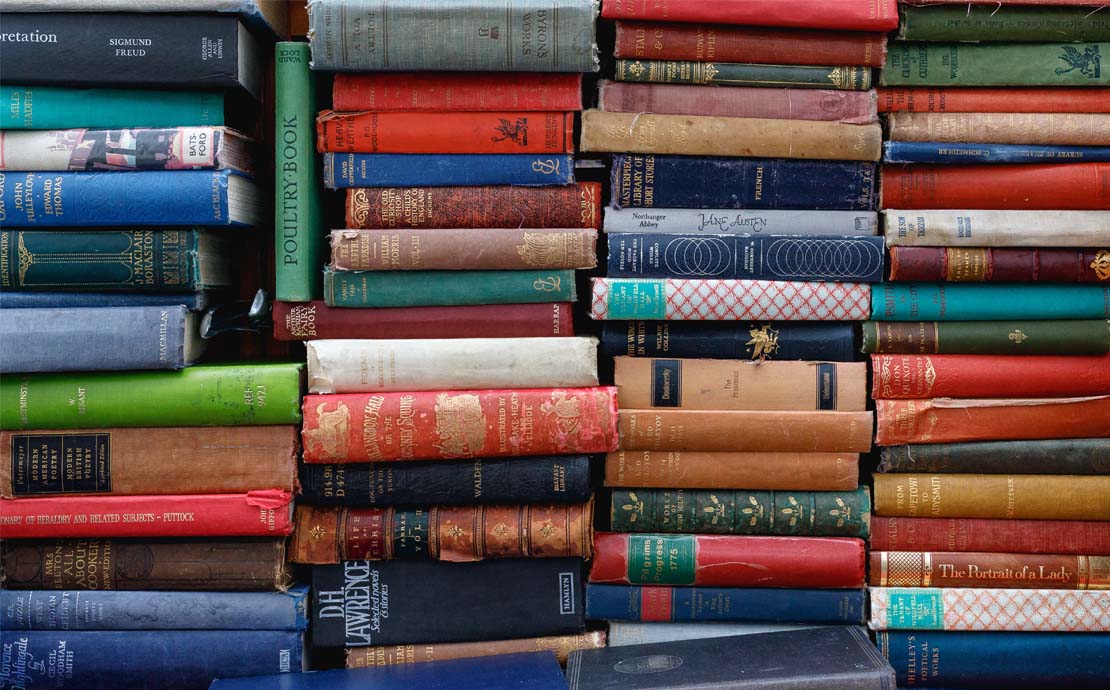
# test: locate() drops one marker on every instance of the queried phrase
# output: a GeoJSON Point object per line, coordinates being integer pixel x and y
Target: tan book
{"type": "Point", "coordinates": [702, 470]}
{"type": "Point", "coordinates": [745, 430]}
{"type": "Point", "coordinates": [562, 645]}
{"type": "Point", "coordinates": [1015, 496]}
{"type": "Point", "coordinates": [1051, 129]}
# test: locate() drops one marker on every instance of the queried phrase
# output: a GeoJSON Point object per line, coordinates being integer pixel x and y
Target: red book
{"type": "Point", "coordinates": [988, 376]}
{"type": "Point", "coordinates": [1065, 3]}
{"type": "Point", "coordinates": [316, 320]}
{"type": "Point", "coordinates": [850, 15]}
{"type": "Point", "coordinates": [759, 45]}
{"type": "Point", "coordinates": [728, 561]}
{"type": "Point", "coordinates": [457, 91]}
{"type": "Point", "coordinates": [1001, 265]}
{"type": "Point", "coordinates": [1072, 186]}
{"type": "Point", "coordinates": [459, 424]}
{"type": "Point", "coordinates": [915, 99]}
{"type": "Point", "coordinates": [977, 534]}
{"type": "Point", "coordinates": [453, 132]}
{"type": "Point", "coordinates": [265, 513]}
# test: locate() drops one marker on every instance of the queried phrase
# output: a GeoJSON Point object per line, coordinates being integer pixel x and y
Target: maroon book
{"type": "Point", "coordinates": [1001, 265]}
{"type": "Point", "coordinates": [980, 534]}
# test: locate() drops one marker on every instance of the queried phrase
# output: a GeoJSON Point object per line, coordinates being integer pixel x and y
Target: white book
{"type": "Point", "coordinates": [962, 228]}
{"type": "Point", "coordinates": [733, 221]}
{"type": "Point", "coordinates": [624, 634]}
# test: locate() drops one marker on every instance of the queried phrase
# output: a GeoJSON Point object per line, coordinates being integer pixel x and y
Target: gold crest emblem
{"type": "Point", "coordinates": [764, 342]}
{"type": "Point", "coordinates": [717, 510]}
{"type": "Point", "coordinates": [754, 511]}
{"type": "Point", "coordinates": [460, 425]}
{"type": "Point", "coordinates": [842, 513]}
{"type": "Point", "coordinates": [359, 207]}
{"type": "Point", "coordinates": [1017, 336]}
{"type": "Point", "coordinates": [635, 508]}
{"type": "Point", "coordinates": [329, 438]}
{"type": "Point", "coordinates": [1101, 264]}
{"type": "Point", "coordinates": [546, 249]}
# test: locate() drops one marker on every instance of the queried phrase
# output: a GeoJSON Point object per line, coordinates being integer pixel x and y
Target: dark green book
{"type": "Point", "coordinates": [1069, 337]}
{"type": "Point", "coordinates": [445, 288]}
{"type": "Point", "coordinates": [995, 64]}
{"type": "Point", "coordinates": [844, 77]}
{"type": "Point", "coordinates": [999, 23]}
{"type": "Point", "coordinates": [1053, 456]}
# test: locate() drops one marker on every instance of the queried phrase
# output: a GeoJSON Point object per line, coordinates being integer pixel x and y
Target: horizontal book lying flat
{"type": "Point", "coordinates": [999, 228]}
{"type": "Point", "coordinates": [752, 340]}
{"type": "Point", "coordinates": [989, 609]}
{"type": "Point", "coordinates": [999, 265]}
{"type": "Point", "coordinates": [624, 633]}
{"type": "Point", "coordinates": [59, 107]}
{"type": "Point", "coordinates": [998, 535]}
{"type": "Point", "coordinates": [561, 645]}
{"type": "Point", "coordinates": [1005, 337]}
{"type": "Point", "coordinates": [343, 170]}
{"type": "Point", "coordinates": [1051, 456]}
{"type": "Point", "coordinates": [991, 570]}
{"type": "Point", "coordinates": [740, 221]}
{"type": "Point", "coordinates": [980, 153]}
{"type": "Point", "coordinates": [714, 604]}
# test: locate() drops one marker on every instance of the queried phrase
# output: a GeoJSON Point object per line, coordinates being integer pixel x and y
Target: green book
{"type": "Point", "coordinates": [298, 221]}
{"type": "Point", "coordinates": [1065, 337]}
{"type": "Point", "coordinates": [216, 395]}
{"type": "Point", "coordinates": [995, 64]}
{"type": "Point", "coordinates": [846, 78]}
{"type": "Point", "coordinates": [445, 288]}
{"type": "Point", "coordinates": [51, 107]}
{"type": "Point", "coordinates": [998, 23]}
{"type": "Point", "coordinates": [776, 513]}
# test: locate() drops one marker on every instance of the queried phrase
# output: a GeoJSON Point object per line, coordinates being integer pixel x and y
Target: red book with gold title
{"type": "Point", "coordinates": [988, 376]}
{"type": "Point", "coordinates": [451, 132]}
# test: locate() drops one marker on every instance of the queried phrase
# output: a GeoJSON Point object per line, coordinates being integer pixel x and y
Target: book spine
{"type": "Point", "coordinates": [848, 15]}
{"type": "Point", "coordinates": [572, 206]}
{"type": "Point", "coordinates": [342, 171]}
{"type": "Point", "coordinates": [453, 132]}
{"type": "Point", "coordinates": [83, 610]}
{"type": "Point", "coordinates": [774, 513]}
{"type": "Point", "coordinates": [970, 23]}
{"type": "Point", "coordinates": [298, 228]}
{"type": "Point", "coordinates": [560, 479]}
{"type": "Point", "coordinates": [710, 560]}
{"type": "Point", "coordinates": [657, 41]}
{"type": "Point", "coordinates": [999, 536]}
{"type": "Point", "coordinates": [989, 610]}
{"type": "Point", "coordinates": [682, 221]}
{"type": "Point", "coordinates": [1090, 337]}
{"type": "Point", "coordinates": [929, 152]}
{"type": "Point", "coordinates": [728, 183]}
{"type": "Point", "coordinates": [459, 424]}
{"type": "Point", "coordinates": [961, 302]}
{"type": "Point", "coordinates": [696, 135]}
{"type": "Point", "coordinates": [193, 301]}
{"type": "Point", "coordinates": [446, 288]}
{"type": "Point", "coordinates": [463, 91]}
{"type": "Point", "coordinates": [714, 384]}
{"type": "Point", "coordinates": [954, 420]}
{"type": "Point", "coordinates": [995, 496]}
{"type": "Point", "coordinates": [318, 320]}
{"type": "Point", "coordinates": [49, 107]}
{"type": "Point", "coordinates": [663, 603]}
{"type": "Point", "coordinates": [227, 395]}
{"type": "Point", "coordinates": [978, 229]}
{"type": "Point", "coordinates": [1010, 570]}
{"type": "Point", "coordinates": [965, 376]}
{"type": "Point", "coordinates": [253, 514]}
{"type": "Point", "coordinates": [167, 564]}
{"type": "Point", "coordinates": [779, 340]}
{"type": "Point", "coordinates": [1003, 265]}
{"type": "Point", "coordinates": [987, 100]}
{"type": "Point", "coordinates": [463, 249]}
{"type": "Point", "coordinates": [439, 35]}
{"type": "Point", "coordinates": [1063, 456]}
{"type": "Point", "coordinates": [853, 107]}
{"type": "Point", "coordinates": [700, 470]}
{"type": "Point", "coordinates": [729, 300]}
{"type": "Point", "coordinates": [843, 77]}
{"type": "Point", "coordinates": [459, 534]}
{"type": "Point", "coordinates": [761, 257]}
{"type": "Point", "coordinates": [623, 634]}
{"type": "Point", "coordinates": [561, 645]}
{"type": "Point", "coordinates": [746, 430]}
{"type": "Point", "coordinates": [1009, 64]}
{"type": "Point", "coordinates": [1052, 187]}
{"type": "Point", "coordinates": [1056, 129]}
{"type": "Point", "coordinates": [174, 148]}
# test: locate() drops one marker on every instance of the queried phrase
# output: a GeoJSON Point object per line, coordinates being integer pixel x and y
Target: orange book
{"type": "Point", "coordinates": [1071, 186]}
{"type": "Point", "coordinates": [745, 430]}
{"type": "Point", "coordinates": [445, 132]}
{"type": "Point", "coordinates": [993, 496]}
{"type": "Point", "coordinates": [756, 471]}
{"type": "Point", "coordinates": [916, 99]}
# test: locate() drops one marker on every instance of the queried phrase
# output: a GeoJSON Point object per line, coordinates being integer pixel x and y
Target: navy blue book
{"type": "Point", "coordinates": [837, 258]}
{"type": "Point", "coordinates": [939, 152]}
{"type": "Point", "coordinates": [925, 658]}
{"type": "Point", "coordinates": [531, 671]}
{"type": "Point", "coordinates": [343, 170]}
{"type": "Point", "coordinates": [632, 603]}
{"type": "Point", "coordinates": [37, 609]}
{"type": "Point", "coordinates": [149, 197]}
{"type": "Point", "coordinates": [645, 181]}
{"type": "Point", "coordinates": [783, 340]}
{"type": "Point", "coordinates": [143, 660]}
{"type": "Point", "coordinates": [193, 301]}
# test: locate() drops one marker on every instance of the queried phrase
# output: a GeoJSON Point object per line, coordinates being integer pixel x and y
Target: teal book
{"type": "Point", "coordinates": [53, 107]}
{"type": "Point", "coordinates": [445, 288]}
{"type": "Point", "coordinates": [959, 302]}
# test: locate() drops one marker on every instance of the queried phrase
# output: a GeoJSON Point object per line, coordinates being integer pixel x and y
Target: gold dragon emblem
{"type": "Point", "coordinates": [764, 342]}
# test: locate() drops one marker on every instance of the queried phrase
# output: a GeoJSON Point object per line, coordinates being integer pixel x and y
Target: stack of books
{"type": "Point", "coordinates": [990, 367]}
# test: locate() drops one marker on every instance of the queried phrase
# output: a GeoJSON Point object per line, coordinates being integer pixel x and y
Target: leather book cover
{"type": "Point", "coordinates": [735, 470]}
{"type": "Point", "coordinates": [845, 15]}
{"type": "Point", "coordinates": [745, 430]}
{"type": "Point", "coordinates": [1089, 538]}
{"type": "Point", "coordinates": [446, 132]}
{"type": "Point", "coordinates": [988, 376]}
{"type": "Point", "coordinates": [1014, 496]}
{"type": "Point", "coordinates": [561, 645]}
{"type": "Point", "coordinates": [999, 264]}
{"type": "Point", "coordinates": [978, 569]}
{"type": "Point", "coordinates": [1049, 456]}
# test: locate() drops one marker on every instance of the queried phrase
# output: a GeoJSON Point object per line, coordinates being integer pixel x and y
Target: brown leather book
{"type": "Point", "coordinates": [701, 470]}
{"type": "Point", "coordinates": [1014, 496]}
{"type": "Point", "coordinates": [745, 430]}
{"type": "Point", "coordinates": [562, 645]}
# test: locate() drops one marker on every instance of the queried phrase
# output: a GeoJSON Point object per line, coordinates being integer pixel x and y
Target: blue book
{"type": "Point", "coordinates": [37, 609]}
{"type": "Point", "coordinates": [839, 258]}
{"type": "Point", "coordinates": [343, 170]}
{"type": "Point", "coordinates": [193, 301]}
{"type": "Point", "coordinates": [149, 197]}
{"type": "Point", "coordinates": [628, 603]}
{"type": "Point", "coordinates": [940, 152]}
{"type": "Point", "coordinates": [531, 671]}
{"type": "Point", "coordinates": [830, 342]}
{"type": "Point", "coordinates": [644, 181]}
{"type": "Point", "coordinates": [133, 660]}
{"type": "Point", "coordinates": [1009, 660]}
{"type": "Point", "coordinates": [969, 302]}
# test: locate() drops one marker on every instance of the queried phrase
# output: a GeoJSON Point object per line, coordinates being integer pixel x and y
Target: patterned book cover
{"type": "Point", "coordinates": [989, 610]}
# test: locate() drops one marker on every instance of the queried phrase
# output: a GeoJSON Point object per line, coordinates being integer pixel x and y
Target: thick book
{"type": "Point", "coordinates": [1001, 23]}
{"type": "Point", "coordinates": [702, 299]}
{"type": "Point", "coordinates": [468, 91]}
{"type": "Point", "coordinates": [367, 366]}
{"type": "Point", "coordinates": [994, 64]}
{"type": "Point", "coordinates": [240, 565]}
{"type": "Point", "coordinates": [993, 496]}
{"type": "Point", "coordinates": [989, 609]}
{"type": "Point", "coordinates": [1054, 456]}
{"type": "Point", "coordinates": [946, 420]}
{"type": "Point", "coordinates": [775, 513]}
{"type": "Point", "coordinates": [929, 152]}
{"type": "Point", "coordinates": [735, 470]}
{"type": "Point", "coordinates": [59, 107]}
{"type": "Point", "coordinates": [745, 430]}
{"type": "Point", "coordinates": [543, 479]}
{"type": "Point", "coordinates": [99, 339]}
{"type": "Point", "coordinates": [665, 603]}
{"type": "Point", "coordinates": [177, 148]}
{"type": "Point", "coordinates": [722, 384]}
{"type": "Point", "coordinates": [753, 340]}
{"type": "Point", "coordinates": [998, 228]}
{"type": "Point", "coordinates": [369, 603]}
{"type": "Point", "coordinates": [73, 610]}
{"type": "Point", "coordinates": [1010, 337]}
{"type": "Point", "coordinates": [978, 569]}
{"type": "Point", "coordinates": [307, 321]}
{"type": "Point", "coordinates": [646, 181]}
{"type": "Point", "coordinates": [358, 289]}
{"type": "Point", "coordinates": [999, 264]}
{"type": "Point", "coordinates": [969, 129]}
{"type": "Point", "coordinates": [847, 15]}
{"type": "Point", "coordinates": [682, 221]}
{"type": "Point", "coordinates": [993, 100]}
{"type": "Point", "coordinates": [983, 376]}
{"type": "Point", "coordinates": [442, 533]}
{"type": "Point", "coordinates": [440, 35]}
{"type": "Point", "coordinates": [346, 170]}
{"type": "Point", "coordinates": [989, 302]}
{"type": "Point", "coordinates": [131, 49]}
{"type": "Point", "coordinates": [269, 15]}
{"type": "Point", "coordinates": [624, 633]}
{"type": "Point", "coordinates": [746, 256]}
{"type": "Point", "coordinates": [814, 659]}
{"type": "Point", "coordinates": [445, 132]}
{"type": "Point", "coordinates": [1033, 187]}
{"type": "Point", "coordinates": [997, 536]}
{"type": "Point", "coordinates": [188, 460]}
{"type": "Point", "coordinates": [148, 197]}
{"type": "Point", "coordinates": [561, 645]}
{"type": "Point", "coordinates": [459, 424]}
{"type": "Point", "coordinates": [50, 299]}
{"type": "Point", "coordinates": [728, 561]}
{"type": "Point", "coordinates": [840, 77]}
{"type": "Point", "coordinates": [214, 395]}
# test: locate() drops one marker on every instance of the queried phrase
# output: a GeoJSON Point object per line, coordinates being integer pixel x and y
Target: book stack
{"type": "Point", "coordinates": [989, 350]}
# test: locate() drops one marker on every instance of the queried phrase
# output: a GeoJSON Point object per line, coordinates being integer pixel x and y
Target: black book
{"type": "Point", "coordinates": [843, 658]}
{"type": "Point", "coordinates": [119, 49]}
{"type": "Point", "coordinates": [368, 603]}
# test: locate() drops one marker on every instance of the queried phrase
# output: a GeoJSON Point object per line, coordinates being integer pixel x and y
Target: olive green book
{"type": "Point", "coordinates": [995, 64]}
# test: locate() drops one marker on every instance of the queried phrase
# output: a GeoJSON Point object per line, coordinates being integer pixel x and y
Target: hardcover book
{"type": "Point", "coordinates": [994, 64]}
{"type": "Point", "coordinates": [1033, 187]}
{"type": "Point", "coordinates": [1053, 456]}
{"type": "Point", "coordinates": [979, 376]}
{"type": "Point", "coordinates": [1001, 23]}
{"type": "Point", "coordinates": [59, 107]}
{"type": "Point", "coordinates": [953, 420]}
{"type": "Point", "coordinates": [705, 470]}
{"type": "Point", "coordinates": [624, 633]}
{"type": "Point", "coordinates": [849, 15]}
{"type": "Point", "coordinates": [1002, 228]}
{"type": "Point", "coordinates": [989, 609]}
{"type": "Point", "coordinates": [989, 302]}
{"type": "Point", "coordinates": [346, 170]}
{"type": "Point", "coordinates": [1003, 265]}
{"type": "Point", "coordinates": [978, 569]}
{"type": "Point", "coordinates": [992, 100]}
{"type": "Point", "coordinates": [745, 430]}
{"type": "Point", "coordinates": [966, 154]}
{"type": "Point", "coordinates": [447, 132]}
{"type": "Point", "coordinates": [840, 77]}
{"type": "Point", "coordinates": [754, 340]}
{"type": "Point", "coordinates": [178, 148]}
{"type": "Point", "coordinates": [681, 221]}
{"type": "Point", "coordinates": [270, 15]}
{"type": "Point", "coordinates": [1009, 337]}
{"type": "Point", "coordinates": [41, 299]}
{"type": "Point", "coordinates": [994, 535]}
{"type": "Point", "coordinates": [1014, 496]}
{"type": "Point", "coordinates": [1057, 129]}
{"type": "Point", "coordinates": [451, 91]}
{"type": "Point", "coordinates": [561, 645]}
{"type": "Point", "coordinates": [710, 604]}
